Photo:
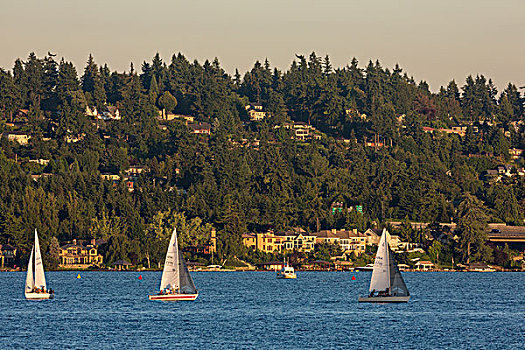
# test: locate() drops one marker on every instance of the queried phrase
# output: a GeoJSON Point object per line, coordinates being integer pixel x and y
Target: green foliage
{"type": "Point", "coordinates": [249, 177]}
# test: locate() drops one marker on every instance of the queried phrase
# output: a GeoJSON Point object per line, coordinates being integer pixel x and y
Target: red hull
{"type": "Point", "coordinates": [174, 297]}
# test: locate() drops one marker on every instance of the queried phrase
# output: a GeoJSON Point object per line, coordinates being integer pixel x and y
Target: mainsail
{"type": "Point", "coordinates": [175, 274]}
{"type": "Point", "coordinates": [170, 274]}
{"type": "Point", "coordinates": [40, 278]}
{"type": "Point", "coordinates": [386, 274]}
{"type": "Point", "coordinates": [381, 273]}
{"type": "Point", "coordinates": [30, 279]}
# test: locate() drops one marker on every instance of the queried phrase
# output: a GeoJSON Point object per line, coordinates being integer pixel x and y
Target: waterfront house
{"type": "Point", "coordinates": [81, 254]}
{"type": "Point", "coordinates": [7, 255]}
{"type": "Point", "coordinates": [272, 265]}
{"type": "Point", "coordinates": [424, 266]}
{"type": "Point", "coordinates": [266, 242]}
{"type": "Point", "coordinates": [351, 241]}
{"type": "Point", "coordinates": [297, 240]}
{"type": "Point", "coordinates": [122, 265]}
{"type": "Point", "coordinates": [480, 267]}
{"type": "Point", "coordinates": [206, 248]}
{"type": "Point", "coordinates": [373, 235]}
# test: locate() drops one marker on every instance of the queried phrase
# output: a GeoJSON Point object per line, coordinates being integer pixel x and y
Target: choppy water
{"type": "Point", "coordinates": [254, 310]}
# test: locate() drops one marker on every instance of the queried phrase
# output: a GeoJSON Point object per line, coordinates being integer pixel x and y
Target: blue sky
{"type": "Point", "coordinates": [434, 41]}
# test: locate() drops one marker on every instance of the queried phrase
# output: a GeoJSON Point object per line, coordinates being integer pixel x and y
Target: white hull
{"type": "Point", "coordinates": [174, 297]}
{"type": "Point", "coordinates": [286, 276]}
{"type": "Point", "coordinates": [39, 296]}
{"type": "Point", "coordinates": [390, 299]}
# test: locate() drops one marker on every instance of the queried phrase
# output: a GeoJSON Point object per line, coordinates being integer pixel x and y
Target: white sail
{"type": "Point", "coordinates": [30, 279]}
{"type": "Point", "coordinates": [386, 275]}
{"type": "Point", "coordinates": [170, 274]}
{"type": "Point", "coordinates": [40, 278]}
{"type": "Point", "coordinates": [381, 273]}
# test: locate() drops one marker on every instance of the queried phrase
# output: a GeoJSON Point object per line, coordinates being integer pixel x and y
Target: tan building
{"type": "Point", "coordinates": [17, 136]}
{"type": "Point", "coordinates": [266, 242]}
{"type": "Point", "coordinates": [373, 236]}
{"type": "Point", "coordinates": [136, 170]}
{"type": "Point", "coordinates": [200, 128]}
{"type": "Point", "coordinates": [297, 240]}
{"type": "Point", "coordinates": [81, 254]}
{"type": "Point", "coordinates": [351, 241]}
{"type": "Point", "coordinates": [110, 177]}
{"type": "Point", "coordinates": [256, 115]}
{"type": "Point", "coordinates": [7, 255]}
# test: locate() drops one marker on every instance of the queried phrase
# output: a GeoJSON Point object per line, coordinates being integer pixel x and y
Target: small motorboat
{"type": "Point", "coordinates": [287, 272]}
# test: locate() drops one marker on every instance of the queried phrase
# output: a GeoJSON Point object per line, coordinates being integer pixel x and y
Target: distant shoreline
{"type": "Point", "coordinates": [249, 270]}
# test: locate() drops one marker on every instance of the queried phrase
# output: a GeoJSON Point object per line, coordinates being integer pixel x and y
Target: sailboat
{"type": "Point", "coordinates": [176, 283]}
{"type": "Point", "coordinates": [36, 280]}
{"type": "Point", "coordinates": [387, 284]}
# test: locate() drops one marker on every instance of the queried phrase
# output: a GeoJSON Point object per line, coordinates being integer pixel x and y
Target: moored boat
{"type": "Point", "coordinates": [368, 267]}
{"type": "Point", "coordinates": [387, 284]}
{"type": "Point", "coordinates": [176, 283]}
{"type": "Point", "coordinates": [35, 288]}
{"type": "Point", "coordinates": [287, 272]}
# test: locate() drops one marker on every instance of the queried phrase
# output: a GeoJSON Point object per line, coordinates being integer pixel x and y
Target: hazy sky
{"type": "Point", "coordinates": [434, 41]}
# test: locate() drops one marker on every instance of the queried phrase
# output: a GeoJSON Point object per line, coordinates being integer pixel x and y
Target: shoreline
{"type": "Point", "coordinates": [252, 270]}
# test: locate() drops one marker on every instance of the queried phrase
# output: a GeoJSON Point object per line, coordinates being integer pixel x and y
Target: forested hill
{"type": "Point", "coordinates": [373, 137]}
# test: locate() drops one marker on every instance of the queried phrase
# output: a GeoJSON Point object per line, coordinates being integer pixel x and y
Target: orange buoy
{"type": "Point", "coordinates": [353, 278]}
{"type": "Point", "coordinates": [140, 277]}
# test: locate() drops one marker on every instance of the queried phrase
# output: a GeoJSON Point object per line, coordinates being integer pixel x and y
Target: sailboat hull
{"type": "Point", "coordinates": [390, 299]}
{"type": "Point", "coordinates": [39, 296]}
{"type": "Point", "coordinates": [174, 297]}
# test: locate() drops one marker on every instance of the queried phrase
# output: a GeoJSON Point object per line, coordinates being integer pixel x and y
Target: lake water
{"type": "Point", "coordinates": [254, 310]}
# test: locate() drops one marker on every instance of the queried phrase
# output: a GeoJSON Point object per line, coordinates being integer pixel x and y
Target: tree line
{"type": "Point", "coordinates": [202, 182]}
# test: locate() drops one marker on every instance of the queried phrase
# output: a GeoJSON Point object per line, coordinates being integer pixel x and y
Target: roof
{"type": "Point", "coordinates": [7, 247]}
{"type": "Point", "coordinates": [112, 109]}
{"type": "Point", "coordinates": [424, 262]}
{"type": "Point", "coordinates": [478, 265]}
{"type": "Point", "coordinates": [71, 245]}
{"type": "Point", "coordinates": [200, 126]}
{"type": "Point", "coordinates": [507, 230]}
{"type": "Point", "coordinates": [376, 231]}
{"type": "Point", "coordinates": [273, 263]}
{"type": "Point", "coordinates": [16, 133]}
{"type": "Point", "coordinates": [341, 234]}
{"type": "Point", "coordinates": [325, 234]}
